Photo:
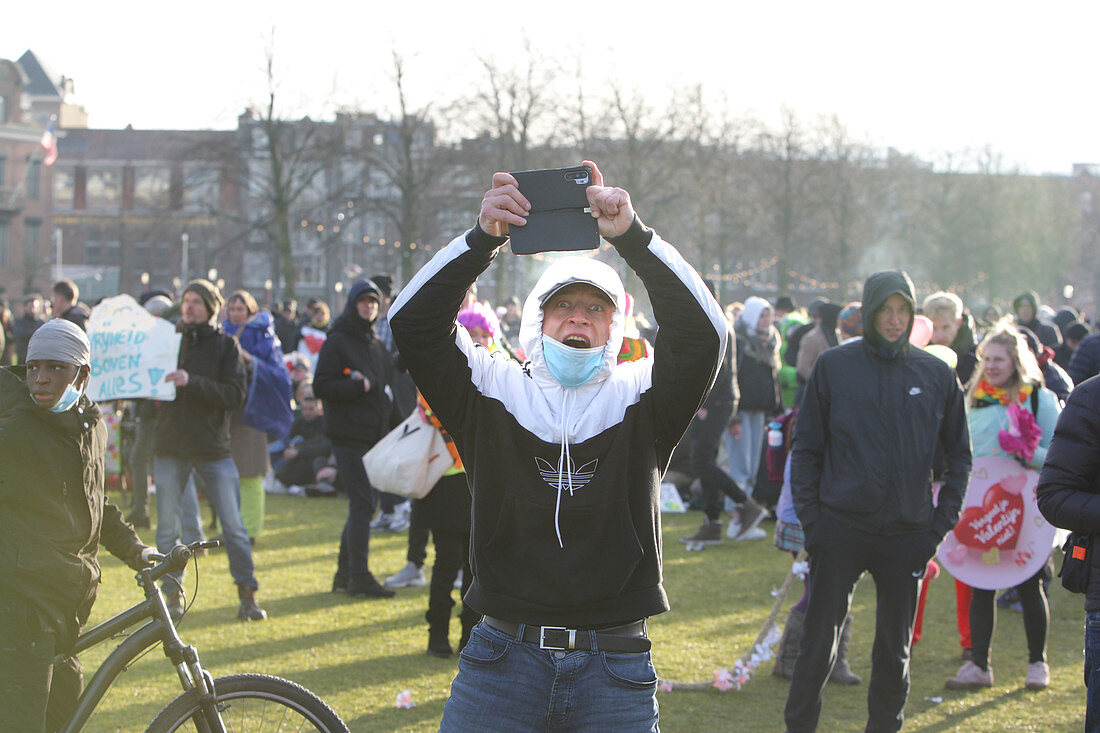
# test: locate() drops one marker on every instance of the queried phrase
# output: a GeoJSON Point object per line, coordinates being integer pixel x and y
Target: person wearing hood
{"type": "Point", "coordinates": [354, 372]}
{"type": "Point", "coordinates": [873, 413]}
{"type": "Point", "coordinates": [54, 515]}
{"type": "Point", "coordinates": [758, 365]}
{"type": "Point", "coordinates": [1026, 306]}
{"type": "Point", "coordinates": [193, 435]}
{"type": "Point", "coordinates": [563, 456]}
{"type": "Point", "coordinates": [267, 414]}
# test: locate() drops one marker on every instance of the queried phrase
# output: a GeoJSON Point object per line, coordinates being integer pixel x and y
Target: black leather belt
{"type": "Point", "coordinates": [626, 638]}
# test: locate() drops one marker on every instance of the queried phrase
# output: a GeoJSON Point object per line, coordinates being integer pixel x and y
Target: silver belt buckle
{"type": "Point", "coordinates": [542, 638]}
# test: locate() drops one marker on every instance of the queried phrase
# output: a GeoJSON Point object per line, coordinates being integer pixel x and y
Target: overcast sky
{"type": "Point", "coordinates": [922, 77]}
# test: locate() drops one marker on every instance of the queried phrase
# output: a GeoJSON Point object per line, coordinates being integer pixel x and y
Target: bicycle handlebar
{"type": "Point", "coordinates": [176, 559]}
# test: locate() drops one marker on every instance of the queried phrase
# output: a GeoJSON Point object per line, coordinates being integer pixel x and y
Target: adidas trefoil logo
{"type": "Point", "coordinates": [580, 476]}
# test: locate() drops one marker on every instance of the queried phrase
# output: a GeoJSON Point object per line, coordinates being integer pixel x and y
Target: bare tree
{"type": "Point", "coordinates": [783, 178]}
{"type": "Point", "coordinates": [411, 166]}
{"type": "Point", "coordinates": [848, 200]}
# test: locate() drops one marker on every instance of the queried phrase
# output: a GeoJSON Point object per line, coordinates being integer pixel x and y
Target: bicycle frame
{"type": "Point", "coordinates": [160, 629]}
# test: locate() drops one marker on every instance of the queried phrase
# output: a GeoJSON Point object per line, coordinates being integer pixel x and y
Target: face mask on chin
{"type": "Point", "coordinates": [68, 398]}
{"type": "Point", "coordinates": [571, 367]}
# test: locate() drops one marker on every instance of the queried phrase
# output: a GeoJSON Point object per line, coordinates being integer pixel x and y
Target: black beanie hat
{"type": "Point", "coordinates": [209, 293]}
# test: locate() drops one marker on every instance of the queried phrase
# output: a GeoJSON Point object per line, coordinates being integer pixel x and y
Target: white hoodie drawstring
{"type": "Point", "coordinates": [564, 462]}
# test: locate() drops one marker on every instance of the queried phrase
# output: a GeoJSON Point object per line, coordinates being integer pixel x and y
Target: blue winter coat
{"type": "Point", "coordinates": [269, 386]}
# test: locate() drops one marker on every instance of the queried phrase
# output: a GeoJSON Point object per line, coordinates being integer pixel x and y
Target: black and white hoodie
{"type": "Point", "coordinates": [566, 526]}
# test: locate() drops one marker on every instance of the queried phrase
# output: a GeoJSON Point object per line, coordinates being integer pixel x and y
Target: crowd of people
{"type": "Point", "coordinates": [561, 416]}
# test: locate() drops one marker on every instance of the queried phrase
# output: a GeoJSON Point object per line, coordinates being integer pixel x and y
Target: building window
{"type": "Point", "coordinates": [64, 187]}
{"type": "Point", "coordinates": [3, 170]}
{"type": "Point", "coordinates": [32, 232]}
{"type": "Point", "coordinates": [34, 179]}
{"type": "Point", "coordinates": [101, 245]}
{"type": "Point", "coordinates": [103, 188]}
{"type": "Point", "coordinates": [200, 189]}
{"type": "Point", "coordinates": [151, 188]}
{"type": "Point", "coordinates": [5, 241]}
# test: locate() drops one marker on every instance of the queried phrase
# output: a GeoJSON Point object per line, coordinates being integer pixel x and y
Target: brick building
{"type": "Point", "coordinates": [25, 189]}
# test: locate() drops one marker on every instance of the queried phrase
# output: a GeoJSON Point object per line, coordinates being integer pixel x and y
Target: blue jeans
{"type": "Point", "coordinates": [223, 491]}
{"type": "Point", "coordinates": [504, 684]}
{"type": "Point", "coordinates": [351, 564]}
{"type": "Point", "coordinates": [187, 526]}
{"type": "Point", "coordinates": [744, 453]}
{"type": "Point", "coordinates": [1092, 671]}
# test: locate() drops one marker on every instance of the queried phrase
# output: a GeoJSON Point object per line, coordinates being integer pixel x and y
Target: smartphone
{"type": "Point", "coordinates": [559, 220]}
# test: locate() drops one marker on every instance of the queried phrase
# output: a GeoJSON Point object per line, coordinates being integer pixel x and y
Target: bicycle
{"type": "Point", "coordinates": [239, 702]}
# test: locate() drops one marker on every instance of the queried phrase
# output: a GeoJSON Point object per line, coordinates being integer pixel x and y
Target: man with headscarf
{"type": "Point", "coordinates": [563, 456]}
{"type": "Point", "coordinates": [872, 415]}
{"type": "Point", "coordinates": [193, 435]}
{"type": "Point", "coordinates": [354, 372]}
{"type": "Point", "coordinates": [53, 517]}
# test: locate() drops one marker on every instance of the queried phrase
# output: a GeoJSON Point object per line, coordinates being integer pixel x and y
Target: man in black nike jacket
{"type": "Point", "coordinates": [873, 413]}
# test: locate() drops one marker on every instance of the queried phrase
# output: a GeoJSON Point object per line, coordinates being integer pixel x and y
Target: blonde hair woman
{"type": "Point", "coordinates": [1008, 380]}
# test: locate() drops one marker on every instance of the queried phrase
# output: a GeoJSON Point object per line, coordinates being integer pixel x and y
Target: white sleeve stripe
{"type": "Point", "coordinates": [445, 256]}
{"type": "Point", "coordinates": [694, 282]}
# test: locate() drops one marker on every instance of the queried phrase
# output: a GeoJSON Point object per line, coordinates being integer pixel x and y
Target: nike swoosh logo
{"type": "Point", "coordinates": [918, 574]}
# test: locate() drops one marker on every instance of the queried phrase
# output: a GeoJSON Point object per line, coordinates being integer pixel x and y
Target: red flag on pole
{"type": "Point", "coordinates": [49, 144]}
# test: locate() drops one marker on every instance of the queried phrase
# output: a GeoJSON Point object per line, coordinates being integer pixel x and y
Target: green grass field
{"type": "Point", "coordinates": [358, 655]}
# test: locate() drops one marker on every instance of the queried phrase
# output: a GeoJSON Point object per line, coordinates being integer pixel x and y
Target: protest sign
{"type": "Point", "coordinates": [1001, 539]}
{"type": "Point", "coordinates": [132, 351]}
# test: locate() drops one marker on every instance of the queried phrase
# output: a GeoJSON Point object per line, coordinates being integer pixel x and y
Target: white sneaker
{"type": "Point", "coordinates": [407, 576]}
{"type": "Point", "coordinates": [273, 485]}
{"type": "Point", "coordinates": [756, 533]}
{"type": "Point", "coordinates": [733, 528]}
{"type": "Point", "coordinates": [399, 523]}
{"type": "Point", "coordinates": [1038, 676]}
{"type": "Point", "coordinates": [382, 523]}
{"type": "Point", "coordinates": [296, 490]}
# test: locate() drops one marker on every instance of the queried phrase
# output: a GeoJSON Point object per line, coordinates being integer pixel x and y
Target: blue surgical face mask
{"type": "Point", "coordinates": [571, 367]}
{"type": "Point", "coordinates": [68, 398]}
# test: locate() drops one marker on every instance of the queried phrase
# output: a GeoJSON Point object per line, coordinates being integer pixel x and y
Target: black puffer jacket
{"type": "Point", "coordinates": [352, 416]}
{"type": "Point", "coordinates": [1069, 485]}
{"type": "Point", "coordinates": [872, 415]}
{"type": "Point", "coordinates": [196, 424]}
{"type": "Point", "coordinates": [53, 513]}
{"type": "Point", "coordinates": [1085, 363]}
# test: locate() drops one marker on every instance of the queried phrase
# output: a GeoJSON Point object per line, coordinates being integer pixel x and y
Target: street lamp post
{"type": "Point", "coordinates": [185, 240]}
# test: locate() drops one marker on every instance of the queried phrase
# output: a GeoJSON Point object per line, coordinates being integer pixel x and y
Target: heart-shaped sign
{"type": "Point", "coordinates": [994, 524]}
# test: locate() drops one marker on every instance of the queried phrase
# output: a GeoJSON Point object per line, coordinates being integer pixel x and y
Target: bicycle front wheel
{"type": "Point", "coordinates": [255, 703]}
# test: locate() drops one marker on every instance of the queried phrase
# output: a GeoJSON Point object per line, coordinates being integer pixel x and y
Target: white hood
{"type": "Point", "coordinates": [566, 272]}
{"type": "Point", "coordinates": [750, 316]}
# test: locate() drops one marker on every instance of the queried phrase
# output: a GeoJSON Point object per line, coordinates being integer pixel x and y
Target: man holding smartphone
{"type": "Point", "coordinates": [563, 456]}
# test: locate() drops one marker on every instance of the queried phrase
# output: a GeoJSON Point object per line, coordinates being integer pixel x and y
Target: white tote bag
{"type": "Point", "coordinates": [409, 459]}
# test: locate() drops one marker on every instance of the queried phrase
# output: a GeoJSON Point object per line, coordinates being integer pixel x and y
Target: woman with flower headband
{"type": "Point", "coordinates": [1010, 413]}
